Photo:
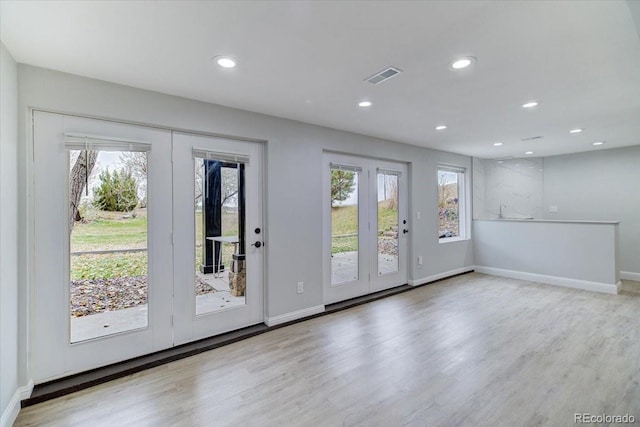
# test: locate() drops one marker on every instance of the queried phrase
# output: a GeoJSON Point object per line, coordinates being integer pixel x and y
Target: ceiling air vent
{"type": "Point", "coordinates": [383, 75]}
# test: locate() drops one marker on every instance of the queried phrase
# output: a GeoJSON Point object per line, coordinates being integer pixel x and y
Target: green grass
{"type": "Point", "coordinates": [111, 231]}
{"type": "Point", "coordinates": [344, 244]}
{"type": "Point", "coordinates": [106, 266]}
{"type": "Point", "coordinates": [344, 221]}
{"type": "Point", "coordinates": [103, 234]}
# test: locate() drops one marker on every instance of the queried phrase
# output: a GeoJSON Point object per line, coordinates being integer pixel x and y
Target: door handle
{"type": "Point", "coordinates": [256, 244]}
{"type": "Point", "coordinates": [405, 231]}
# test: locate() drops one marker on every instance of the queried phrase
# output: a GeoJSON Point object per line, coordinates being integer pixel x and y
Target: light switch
{"type": "Point", "coordinates": [553, 208]}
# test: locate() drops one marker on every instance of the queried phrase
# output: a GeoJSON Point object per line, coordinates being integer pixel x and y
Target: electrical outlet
{"type": "Point", "coordinates": [300, 287]}
{"type": "Point", "coordinates": [420, 260]}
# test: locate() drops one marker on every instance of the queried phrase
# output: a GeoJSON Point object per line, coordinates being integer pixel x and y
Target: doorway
{"type": "Point", "coordinates": [365, 226]}
{"type": "Point", "coordinates": [218, 235]}
{"type": "Point", "coordinates": [127, 257]}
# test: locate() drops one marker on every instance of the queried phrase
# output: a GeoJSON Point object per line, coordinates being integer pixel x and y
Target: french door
{"type": "Point", "coordinates": [125, 244]}
{"type": "Point", "coordinates": [218, 235]}
{"type": "Point", "coordinates": [365, 226]}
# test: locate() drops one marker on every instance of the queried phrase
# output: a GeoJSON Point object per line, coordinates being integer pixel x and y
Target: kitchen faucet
{"type": "Point", "coordinates": [500, 214]}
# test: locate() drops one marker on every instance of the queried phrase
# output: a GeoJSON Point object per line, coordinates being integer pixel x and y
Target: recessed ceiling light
{"type": "Point", "coordinates": [528, 152]}
{"type": "Point", "coordinates": [225, 61]}
{"type": "Point", "coordinates": [578, 130]}
{"type": "Point", "coordinates": [365, 104]}
{"type": "Point", "coordinates": [598, 143]}
{"type": "Point", "coordinates": [500, 161]}
{"type": "Point", "coordinates": [530, 104]}
{"type": "Point", "coordinates": [497, 144]}
{"type": "Point", "coordinates": [462, 62]}
{"type": "Point", "coordinates": [441, 127]}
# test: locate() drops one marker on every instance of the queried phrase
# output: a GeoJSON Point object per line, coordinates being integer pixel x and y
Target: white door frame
{"type": "Point", "coordinates": [379, 281]}
{"type": "Point", "coordinates": [187, 325]}
{"type": "Point", "coordinates": [52, 354]}
{"type": "Point", "coordinates": [360, 286]}
{"type": "Point", "coordinates": [368, 279]}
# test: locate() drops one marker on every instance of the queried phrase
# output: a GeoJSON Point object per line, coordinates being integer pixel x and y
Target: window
{"type": "Point", "coordinates": [107, 238]}
{"type": "Point", "coordinates": [451, 203]}
{"type": "Point", "coordinates": [344, 223]}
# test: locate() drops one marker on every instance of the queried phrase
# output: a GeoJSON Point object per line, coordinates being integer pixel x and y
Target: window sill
{"type": "Point", "coordinates": [453, 239]}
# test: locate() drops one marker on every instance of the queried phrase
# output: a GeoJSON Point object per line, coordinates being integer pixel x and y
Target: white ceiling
{"type": "Point", "coordinates": [307, 61]}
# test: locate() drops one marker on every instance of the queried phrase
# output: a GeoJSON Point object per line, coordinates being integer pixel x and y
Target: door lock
{"type": "Point", "coordinates": [405, 231]}
{"type": "Point", "coordinates": [257, 244]}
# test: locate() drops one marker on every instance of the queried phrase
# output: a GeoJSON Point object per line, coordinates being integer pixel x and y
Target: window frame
{"type": "Point", "coordinates": [462, 201]}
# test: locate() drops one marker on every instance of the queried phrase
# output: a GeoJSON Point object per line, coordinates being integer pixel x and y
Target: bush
{"type": "Point", "coordinates": [116, 192]}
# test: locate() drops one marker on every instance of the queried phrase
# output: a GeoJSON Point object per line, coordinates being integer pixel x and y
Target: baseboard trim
{"type": "Point", "coordinates": [607, 288]}
{"type": "Point", "coordinates": [10, 414]}
{"type": "Point", "coordinates": [294, 315]}
{"type": "Point", "coordinates": [25, 391]}
{"type": "Point", "coordinates": [439, 276]}
{"type": "Point", "coordinates": [629, 275]}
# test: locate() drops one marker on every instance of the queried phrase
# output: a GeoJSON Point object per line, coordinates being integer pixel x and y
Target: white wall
{"type": "Point", "coordinates": [574, 254]}
{"type": "Point", "coordinates": [601, 185]}
{"type": "Point", "coordinates": [294, 179]}
{"type": "Point", "coordinates": [514, 183]}
{"type": "Point", "coordinates": [8, 233]}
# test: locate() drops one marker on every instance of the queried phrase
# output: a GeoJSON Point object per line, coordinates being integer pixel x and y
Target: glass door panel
{"type": "Point", "coordinates": [344, 226]}
{"type": "Point", "coordinates": [108, 242]}
{"type": "Point", "coordinates": [390, 236]}
{"type": "Point", "coordinates": [217, 235]}
{"type": "Point", "coordinates": [388, 222]}
{"type": "Point", "coordinates": [102, 215]}
{"type": "Point", "coordinates": [220, 279]}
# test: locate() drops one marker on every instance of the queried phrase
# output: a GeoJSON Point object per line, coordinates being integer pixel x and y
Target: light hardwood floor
{"type": "Point", "coordinates": [474, 350]}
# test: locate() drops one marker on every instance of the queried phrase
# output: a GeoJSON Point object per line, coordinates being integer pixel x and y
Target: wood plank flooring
{"type": "Point", "coordinates": [474, 350]}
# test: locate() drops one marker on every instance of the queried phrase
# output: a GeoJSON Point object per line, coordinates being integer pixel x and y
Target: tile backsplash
{"type": "Point", "coordinates": [516, 184]}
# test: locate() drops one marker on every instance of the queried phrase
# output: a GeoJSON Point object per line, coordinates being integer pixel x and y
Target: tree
{"type": "Point", "coordinates": [390, 188]}
{"type": "Point", "coordinates": [229, 183]}
{"type": "Point", "coordinates": [446, 188]}
{"type": "Point", "coordinates": [342, 185]}
{"type": "Point", "coordinates": [116, 192]}
{"type": "Point", "coordinates": [78, 178]}
{"type": "Point", "coordinates": [136, 162]}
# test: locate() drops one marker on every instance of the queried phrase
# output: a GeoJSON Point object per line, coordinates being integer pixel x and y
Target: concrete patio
{"type": "Point", "coordinates": [114, 322]}
{"type": "Point", "coordinates": [344, 266]}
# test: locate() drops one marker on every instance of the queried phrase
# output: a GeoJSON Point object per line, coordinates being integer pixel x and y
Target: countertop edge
{"type": "Point", "coordinates": [564, 221]}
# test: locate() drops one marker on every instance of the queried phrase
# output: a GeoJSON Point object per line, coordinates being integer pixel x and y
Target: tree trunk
{"type": "Point", "coordinates": [77, 181]}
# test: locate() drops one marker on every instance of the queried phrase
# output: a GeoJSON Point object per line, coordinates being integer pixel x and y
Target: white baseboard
{"type": "Point", "coordinates": [429, 279]}
{"type": "Point", "coordinates": [25, 391]}
{"type": "Point", "coordinates": [294, 315]}
{"type": "Point", "coordinates": [12, 410]}
{"type": "Point", "coordinates": [628, 275]}
{"type": "Point", "coordinates": [607, 288]}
